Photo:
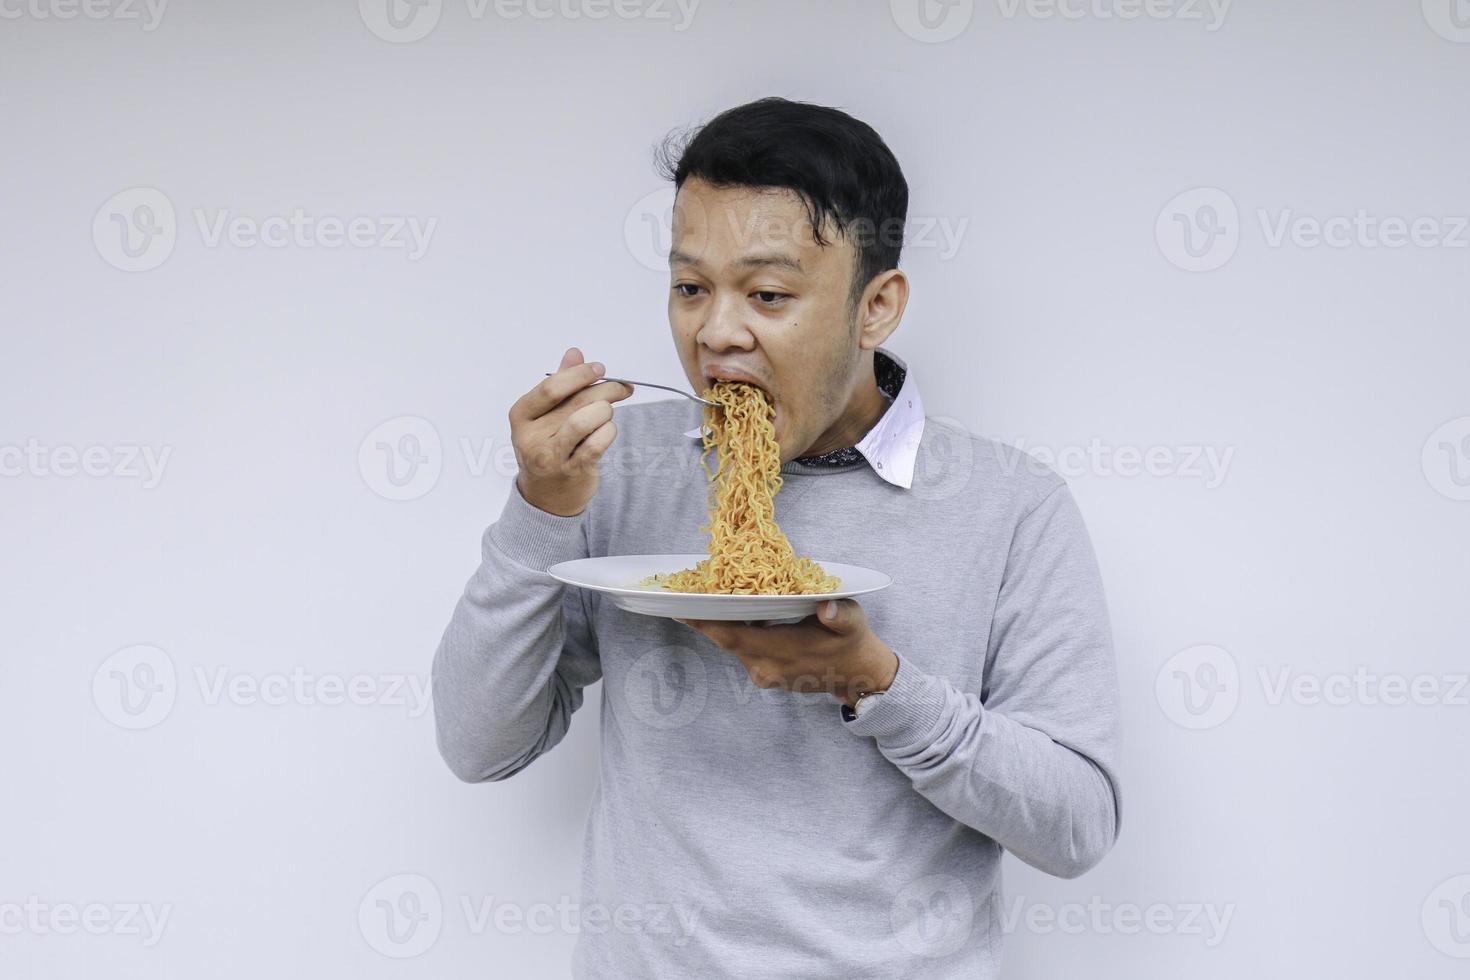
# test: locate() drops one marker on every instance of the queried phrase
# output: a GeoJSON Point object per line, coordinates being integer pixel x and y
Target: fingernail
{"type": "Point", "coordinates": [598, 367]}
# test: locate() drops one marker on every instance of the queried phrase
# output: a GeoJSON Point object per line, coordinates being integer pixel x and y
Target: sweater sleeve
{"type": "Point", "coordinates": [1032, 761]}
{"type": "Point", "coordinates": [511, 666]}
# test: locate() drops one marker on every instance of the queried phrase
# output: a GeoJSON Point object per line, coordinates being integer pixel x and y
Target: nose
{"type": "Point", "coordinates": [724, 326]}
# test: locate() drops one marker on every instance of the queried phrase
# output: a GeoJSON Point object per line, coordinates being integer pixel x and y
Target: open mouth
{"type": "Point", "coordinates": [731, 375]}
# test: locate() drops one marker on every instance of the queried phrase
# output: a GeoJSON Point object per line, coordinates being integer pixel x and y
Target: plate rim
{"type": "Point", "coordinates": [720, 596]}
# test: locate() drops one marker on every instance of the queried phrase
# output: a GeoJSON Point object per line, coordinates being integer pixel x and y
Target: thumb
{"type": "Point", "coordinates": [837, 615]}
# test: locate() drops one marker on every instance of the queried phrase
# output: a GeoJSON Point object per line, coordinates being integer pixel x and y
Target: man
{"type": "Point", "coordinates": [749, 822]}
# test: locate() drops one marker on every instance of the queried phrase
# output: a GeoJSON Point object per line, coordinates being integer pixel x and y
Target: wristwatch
{"type": "Point", "coordinates": [863, 702]}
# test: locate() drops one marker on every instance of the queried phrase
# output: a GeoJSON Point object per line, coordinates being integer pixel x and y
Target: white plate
{"type": "Point", "coordinates": [616, 576]}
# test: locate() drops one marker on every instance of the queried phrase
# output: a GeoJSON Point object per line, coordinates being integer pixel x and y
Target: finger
{"type": "Point", "coordinates": [578, 426]}
{"type": "Point", "coordinates": [716, 630]}
{"type": "Point", "coordinates": [601, 391]}
{"type": "Point", "coordinates": [552, 391]}
{"type": "Point", "coordinates": [571, 358]}
{"type": "Point", "coordinates": [840, 615]}
{"type": "Point", "coordinates": [608, 391]}
{"type": "Point", "coordinates": [590, 449]}
{"type": "Point", "coordinates": [722, 633]}
{"type": "Point", "coordinates": [697, 625]}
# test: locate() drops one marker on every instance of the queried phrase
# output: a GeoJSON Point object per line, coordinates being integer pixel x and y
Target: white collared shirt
{"type": "Point", "coordinates": [892, 444]}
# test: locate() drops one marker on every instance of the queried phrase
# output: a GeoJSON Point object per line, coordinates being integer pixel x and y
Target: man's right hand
{"type": "Point", "coordinates": [559, 430]}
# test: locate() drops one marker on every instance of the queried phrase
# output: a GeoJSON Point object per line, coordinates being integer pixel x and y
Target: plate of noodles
{"type": "Point", "coordinates": [752, 572]}
{"type": "Point", "coordinates": [637, 583]}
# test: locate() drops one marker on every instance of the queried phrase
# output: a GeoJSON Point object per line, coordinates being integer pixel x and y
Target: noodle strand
{"type": "Point", "coordinates": [748, 552]}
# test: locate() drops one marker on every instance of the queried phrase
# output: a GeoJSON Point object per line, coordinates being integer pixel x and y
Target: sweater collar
{"type": "Point", "coordinates": [892, 444]}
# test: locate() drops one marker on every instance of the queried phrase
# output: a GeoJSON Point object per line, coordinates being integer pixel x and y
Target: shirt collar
{"type": "Point", "coordinates": [892, 444]}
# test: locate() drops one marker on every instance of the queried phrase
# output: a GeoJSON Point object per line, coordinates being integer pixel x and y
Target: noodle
{"type": "Point", "coordinates": [748, 553]}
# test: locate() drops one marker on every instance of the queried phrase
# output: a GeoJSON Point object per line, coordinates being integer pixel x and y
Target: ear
{"type": "Point", "coordinates": [881, 308]}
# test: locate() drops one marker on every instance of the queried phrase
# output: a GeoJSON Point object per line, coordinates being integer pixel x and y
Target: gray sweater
{"type": "Point", "coordinates": [750, 832]}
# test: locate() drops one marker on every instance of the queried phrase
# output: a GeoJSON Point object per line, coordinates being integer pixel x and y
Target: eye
{"type": "Point", "coordinates": [680, 287]}
{"type": "Point", "coordinates": [770, 297]}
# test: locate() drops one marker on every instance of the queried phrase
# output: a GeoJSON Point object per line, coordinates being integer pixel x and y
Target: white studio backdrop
{"type": "Point", "coordinates": [274, 272]}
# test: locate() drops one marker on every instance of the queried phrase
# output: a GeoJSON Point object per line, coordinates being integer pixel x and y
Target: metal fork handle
{"type": "Point", "coordinates": [650, 384]}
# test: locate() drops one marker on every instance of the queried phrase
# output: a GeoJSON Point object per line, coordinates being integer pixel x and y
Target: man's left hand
{"type": "Point", "coordinates": [833, 651]}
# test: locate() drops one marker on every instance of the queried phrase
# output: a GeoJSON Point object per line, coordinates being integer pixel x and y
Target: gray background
{"type": "Point", "coordinates": [1087, 312]}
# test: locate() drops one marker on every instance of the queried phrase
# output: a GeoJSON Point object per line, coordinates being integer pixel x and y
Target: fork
{"type": "Point", "coordinates": [650, 384]}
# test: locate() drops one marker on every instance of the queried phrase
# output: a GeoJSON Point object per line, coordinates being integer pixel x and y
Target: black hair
{"type": "Point", "coordinates": [838, 165]}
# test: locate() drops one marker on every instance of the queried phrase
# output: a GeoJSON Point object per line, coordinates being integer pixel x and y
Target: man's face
{"type": "Point", "coordinates": [754, 297]}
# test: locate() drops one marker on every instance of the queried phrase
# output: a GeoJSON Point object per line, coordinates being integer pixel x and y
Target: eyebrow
{"type": "Point", "coordinates": [753, 261]}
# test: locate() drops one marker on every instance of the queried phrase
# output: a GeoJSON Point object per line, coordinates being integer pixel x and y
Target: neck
{"type": "Point", "coordinates": [865, 406]}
